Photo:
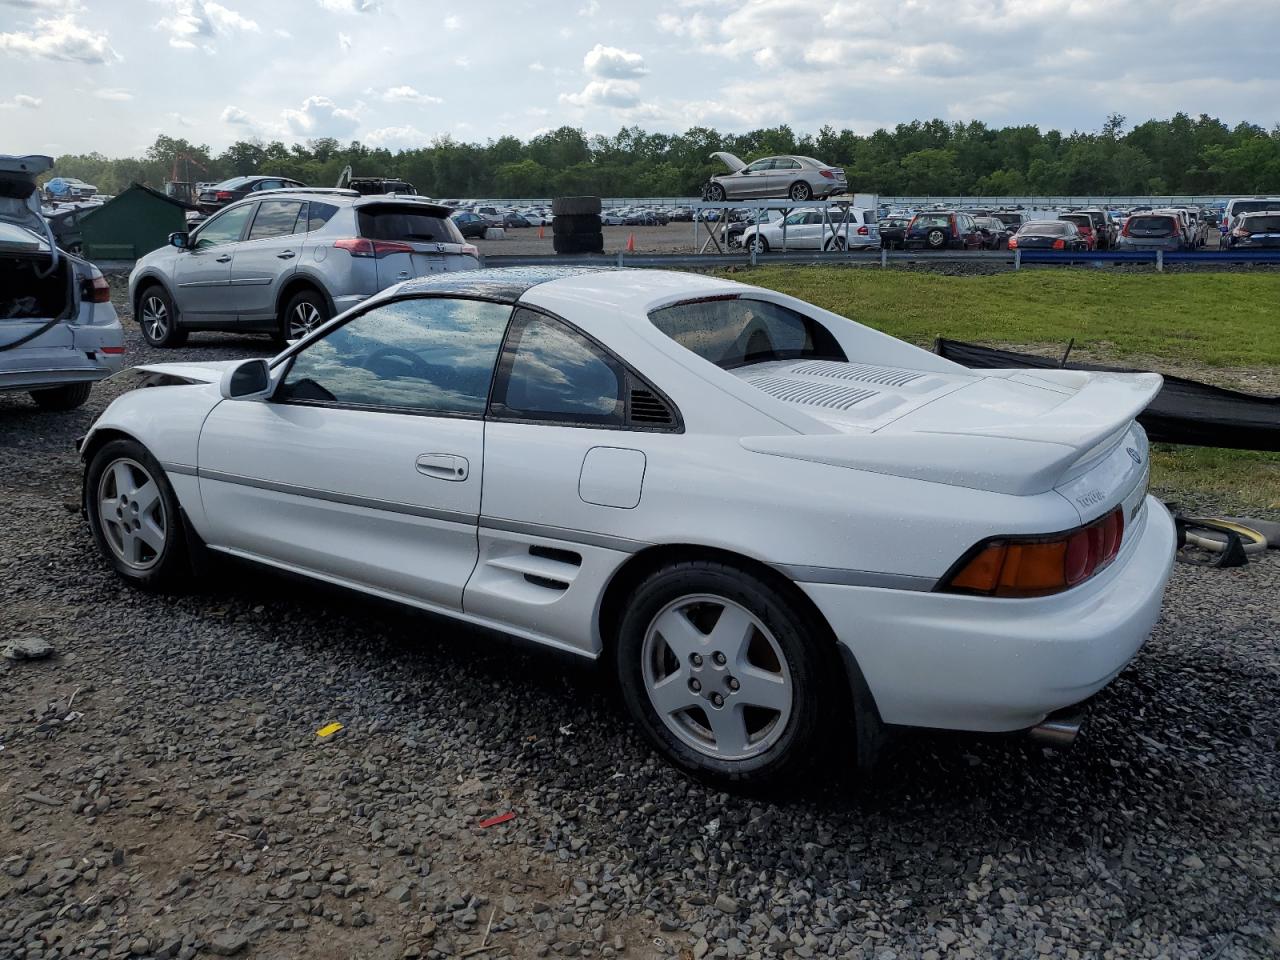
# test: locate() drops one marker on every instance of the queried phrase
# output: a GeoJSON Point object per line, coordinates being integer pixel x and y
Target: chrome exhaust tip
{"type": "Point", "coordinates": [1058, 729]}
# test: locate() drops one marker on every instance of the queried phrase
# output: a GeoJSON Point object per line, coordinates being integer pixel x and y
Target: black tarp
{"type": "Point", "coordinates": [1184, 411]}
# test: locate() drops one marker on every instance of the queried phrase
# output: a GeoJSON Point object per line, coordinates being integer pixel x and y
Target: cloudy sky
{"type": "Point", "coordinates": [108, 75]}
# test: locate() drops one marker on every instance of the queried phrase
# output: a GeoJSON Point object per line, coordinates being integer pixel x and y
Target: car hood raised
{"type": "Point", "coordinates": [1009, 431]}
{"type": "Point", "coordinates": [729, 160]}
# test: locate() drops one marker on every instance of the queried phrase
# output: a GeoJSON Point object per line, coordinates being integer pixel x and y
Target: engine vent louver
{"type": "Point", "coordinates": [832, 396]}
{"type": "Point", "coordinates": [861, 372]}
{"type": "Point", "coordinates": [648, 408]}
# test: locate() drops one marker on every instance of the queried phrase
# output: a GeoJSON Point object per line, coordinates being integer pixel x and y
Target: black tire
{"type": "Point", "coordinates": [570, 224]}
{"type": "Point", "coordinates": [836, 242]}
{"type": "Point", "coordinates": [66, 397]}
{"type": "Point", "coordinates": [170, 566]}
{"type": "Point", "coordinates": [715, 192]}
{"type": "Point", "coordinates": [760, 243]}
{"type": "Point", "coordinates": [811, 668]}
{"type": "Point", "coordinates": [302, 313]}
{"type": "Point", "coordinates": [158, 319]}
{"type": "Point", "coordinates": [575, 206]}
{"type": "Point", "coordinates": [936, 240]}
{"type": "Point", "coordinates": [579, 243]}
{"type": "Point", "coordinates": [800, 191]}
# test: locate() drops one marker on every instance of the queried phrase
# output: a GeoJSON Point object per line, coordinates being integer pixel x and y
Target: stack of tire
{"type": "Point", "coordinates": [575, 226]}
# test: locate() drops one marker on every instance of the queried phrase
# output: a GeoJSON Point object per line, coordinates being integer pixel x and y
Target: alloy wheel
{"type": "Point", "coordinates": [717, 677]}
{"type": "Point", "coordinates": [131, 513]}
{"type": "Point", "coordinates": [303, 320]}
{"type": "Point", "coordinates": [800, 191]}
{"type": "Point", "coordinates": [155, 318]}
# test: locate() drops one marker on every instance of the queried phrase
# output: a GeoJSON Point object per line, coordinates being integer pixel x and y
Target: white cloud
{"type": "Point", "coordinates": [113, 93]}
{"type": "Point", "coordinates": [198, 22]}
{"type": "Point", "coordinates": [344, 41]}
{"type": "Point", "coordinates": [21, 100]}
{"type": "Point", "coordinates": [452, 23]}
{"type": "Point", "coordinates": [605, 93]}
{"type": "Point", "coordinates": [320, 117]}
{"type": "Point", "coordinates": [696, 27]}
{"type": "Point", "coordinates": [349, 6]}
{"type": "Point", "coordinates": [463, 63]}
{"type": "Point", "coordinates": [407, 94]}
{"type": "Point", "coordinates": [591, 9]}
{"type": "Point", "coordinates": [611, 62]}
{"type": "Point", "coordinates": [236, 117]}
{"type": "Point", "coordinates": [537, 66]}
{"type": "Point", "coordinates": [226, 19]}
{"type": "Point", "coordinates": [285, 34]}
{"type": "Point", "coordinates": [60, 38]}
{"type": "Point", "coordinates": [396, 138]}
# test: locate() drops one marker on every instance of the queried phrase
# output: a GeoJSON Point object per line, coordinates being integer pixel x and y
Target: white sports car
{"type": "Point", "coordinates": [772, 521]}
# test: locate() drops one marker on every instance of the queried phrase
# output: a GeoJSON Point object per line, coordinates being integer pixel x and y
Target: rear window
{"type": "Point", "coordinates": [933, 220]}
{"type": "Point", "coordinates": [1009, 219]}
{"type": "Point", "coordinates": [1252, 206]}
{"type": "Point", "coordinates": [1145, 226]}
{"type": "Point", "coordinates": [232, 184]}
{"type": "Point", "coordinates": [1050, 227]}
{"type": "Point", "coordinates": [1079, 219]}
{"type": "Point", "coordinates": [406, 223]}
{"type": "Point", "coordinates": [1262, 224]}
{"type": "Point", "coordinates": [735, 333]}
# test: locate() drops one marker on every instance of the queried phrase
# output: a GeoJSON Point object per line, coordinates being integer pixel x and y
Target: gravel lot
{"type": "Point", "coordinates": [163, 792]}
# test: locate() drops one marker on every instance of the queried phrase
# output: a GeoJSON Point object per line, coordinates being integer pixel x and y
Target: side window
{"type": "Point", "coordinates": [268, 185]}
{"type": "Point", "coordinates": [427, 355]}
{"type": "Point", "coordinates": [224, 228]}
{"type": "Point", "coordinates": [318, 214]}
{"type": "Point", "coordinates": [786, 165]}
{"type": "Point", "coordinates": [550, 372]}
{"type": "Point", "coordinates": [760, 165]}
{"type": "Point", "coordinates": [276, 218]}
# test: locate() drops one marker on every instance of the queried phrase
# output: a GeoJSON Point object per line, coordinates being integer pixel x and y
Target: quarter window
{"type": "Point", "coordinates": [276, 218]}
{"type": "Point", "coordinates": [318, 214]}
{"type": "Point", "coordinates": [551, 372]}
{"type": "Point", "coordinates": [225, 228]}
{"type": "Point", "coordinates": [426, 355]}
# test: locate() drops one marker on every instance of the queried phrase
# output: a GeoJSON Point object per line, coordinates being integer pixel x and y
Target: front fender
{"type": "Point", "coordinates": [165, 420]}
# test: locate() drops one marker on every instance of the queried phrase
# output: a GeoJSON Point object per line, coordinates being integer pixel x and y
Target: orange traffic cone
{"type": "Point", "coordinates": [540, 231]}
{"type": "Point", "coordinates": [631, 243]}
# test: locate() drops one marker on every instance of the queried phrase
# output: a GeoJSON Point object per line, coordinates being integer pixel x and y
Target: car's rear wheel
{"type": "Point", "coordinates": [837, 243]}
{"type": "Point", "coordinates": [158, 319]}
{"type": "Point", "coordinates": [134, 515]}
{"type": "Point", "coordinates": [722, 672]}
{"type": "Point", "coordinates": [801, 191]}
{"type": "Point", "coordinates": [936, 239]}
{"type": "Point", "coordinates": [304, 311]}
{"type": "Point", "coordinates": [66, 397]}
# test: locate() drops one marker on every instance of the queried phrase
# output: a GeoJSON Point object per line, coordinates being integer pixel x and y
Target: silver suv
{"type": "Point", "coordinates": [284, 261]}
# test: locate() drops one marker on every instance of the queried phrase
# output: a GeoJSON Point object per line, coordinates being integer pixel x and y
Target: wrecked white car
{"type": "Point", "coordinates": [58, 330]}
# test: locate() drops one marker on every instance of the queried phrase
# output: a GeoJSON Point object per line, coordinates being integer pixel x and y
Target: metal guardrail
{"type": "Point", "coordinates": [883, 258]}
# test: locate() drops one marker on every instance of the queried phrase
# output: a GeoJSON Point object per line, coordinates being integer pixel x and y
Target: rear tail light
{"type": "Point", "coordinates": [1124, 231]}
{"type": "Point", "coordinates": [954, 228]}
{"type": "Point", "coordinates": [863, 231]}
{"type": "Point", "coordinates": [95, 289]}
{"type": "Point", "coordinates": [1059, 244]}
{"type": "Point", "coordinates": [1037, 566]}
{"type": "Point", "coordinates": [1013, 243]}
{"type": "Point", "coordinates": [829, 174]}
{"type": "Point", "coordinates": [223, 196]}
{"type": "Point", "coordinates": [363, 247]}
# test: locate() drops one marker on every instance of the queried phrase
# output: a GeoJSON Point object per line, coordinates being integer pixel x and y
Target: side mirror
{"type": "Point", "coordinates": [247, 380]}
{"type": "Point", "coordinates": [179, 240]}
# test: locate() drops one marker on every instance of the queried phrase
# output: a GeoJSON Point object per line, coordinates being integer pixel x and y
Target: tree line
{"type": "Point", "coordinates": [1181, 155]}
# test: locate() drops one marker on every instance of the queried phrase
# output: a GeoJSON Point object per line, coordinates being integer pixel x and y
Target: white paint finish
{"type": "Point", "coordinates": [974, 663]}
{"type": "Point", "coordinates": [360, 453]}
{"type": "Point", "coordinates": [612, 477]}
{"type": "Point", "coordinates": [949, 459]}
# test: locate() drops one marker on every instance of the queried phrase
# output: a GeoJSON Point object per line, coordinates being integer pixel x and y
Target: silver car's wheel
{"type": "Point", "coordinates": [717, 677]}
{"type": "Point", "coordinates": [303, 319]}
{"type": "Point", "coordinates": [801, 191]}
{"type": "Point", "coordinates": [131, 514]}
{"type": "Point", "coordinates": [757, 244]}
{"type": "Point", "coordinates": [155, 318]}
{"type": "Point", "coordinates": [715, 193]}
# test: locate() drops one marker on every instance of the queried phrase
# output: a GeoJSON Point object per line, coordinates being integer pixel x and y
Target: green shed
{"type": "Point", "coordinates": [133, 224]}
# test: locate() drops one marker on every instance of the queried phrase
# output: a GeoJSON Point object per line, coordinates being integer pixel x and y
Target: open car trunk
{"type": "Point", "coordinates": [33, 287]}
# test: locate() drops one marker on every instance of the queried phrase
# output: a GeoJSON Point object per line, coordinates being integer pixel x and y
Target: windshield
{"type": "Point", "coordinates": [735, 333]}
{"type": "Point", "coordinates": [1269, 224]}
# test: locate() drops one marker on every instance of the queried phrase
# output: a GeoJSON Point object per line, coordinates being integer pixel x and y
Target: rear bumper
{"type": "Point", "coordinates": [81, 361]}
{"type": "Point", "coordinates": [975, 663]}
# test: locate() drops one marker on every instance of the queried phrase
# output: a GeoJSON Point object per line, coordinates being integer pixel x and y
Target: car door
{"type": "Point", "coordinates": [365, 465]}
{"type": "Point", "coordinates": [753, 181]}
{"type": "Point", "coordinates": [563, 462]}
{"type": "Point", "coordinates": [263, 262]}
{"type": "Point", "coordinates": [785, 172]}
{"type": "Point", "coordinates": [202, 275]}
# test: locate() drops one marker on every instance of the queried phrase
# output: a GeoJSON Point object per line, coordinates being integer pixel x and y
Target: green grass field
{"type": "Point", "coordinates": [1186, 322]}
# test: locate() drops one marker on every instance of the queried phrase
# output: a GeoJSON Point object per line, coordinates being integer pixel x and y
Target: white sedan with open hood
{"type": "Point", "coordinates": [774, 523]}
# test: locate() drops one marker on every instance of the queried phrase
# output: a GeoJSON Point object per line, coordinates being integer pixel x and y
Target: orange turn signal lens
{"type": "Point", "coordinates": [1037, 566]}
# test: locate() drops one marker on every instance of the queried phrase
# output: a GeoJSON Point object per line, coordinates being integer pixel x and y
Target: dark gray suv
{"type": "Point", "coordinates": [284, 262]}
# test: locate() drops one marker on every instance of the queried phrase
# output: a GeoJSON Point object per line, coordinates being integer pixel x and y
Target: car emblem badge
{"type": "Point", "coordinates": [1134, 455]}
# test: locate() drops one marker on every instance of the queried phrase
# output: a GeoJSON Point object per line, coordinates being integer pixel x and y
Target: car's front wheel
{"type": "Point", "coordinates": [158, 319]}
{"type": "Point", "coordinates": [134, 515]}
{"type": "Point", "coordinates": [715, 192]}
{"type": "Point", "coordinates": [723, 673]}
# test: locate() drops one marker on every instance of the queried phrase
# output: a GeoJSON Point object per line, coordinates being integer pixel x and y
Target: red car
{"type": "Point", "coordinates": [1084, 223]}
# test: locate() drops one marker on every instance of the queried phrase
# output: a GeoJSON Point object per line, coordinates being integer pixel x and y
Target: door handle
{"type": "Point", "coordinates": [287, 255]}
{"type": "Point", "coordinates": [443, 466]}
{"type": "Point", "coordinates": [225, 258]}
